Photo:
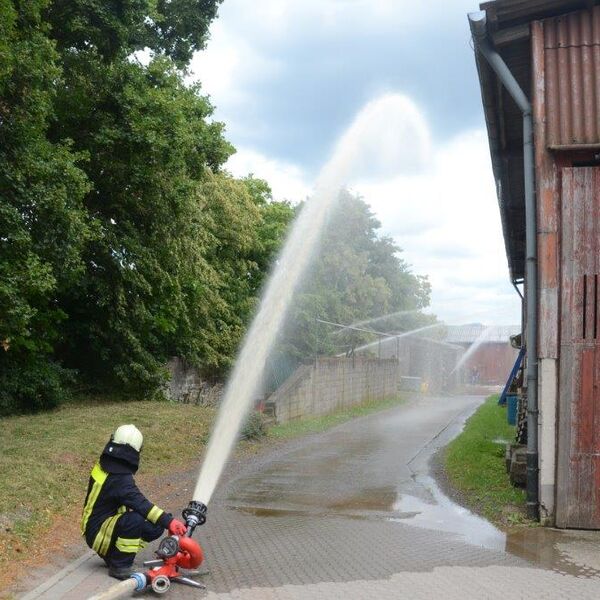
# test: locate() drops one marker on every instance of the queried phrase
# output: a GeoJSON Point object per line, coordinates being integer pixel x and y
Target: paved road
{"type": "Point", "coordinates": [353, 514]}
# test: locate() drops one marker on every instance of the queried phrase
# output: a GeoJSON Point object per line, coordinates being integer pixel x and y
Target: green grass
{"type": "Point", "coordinates": [475, 466]}
{"type": "Point", "coordinates": [318, 424]}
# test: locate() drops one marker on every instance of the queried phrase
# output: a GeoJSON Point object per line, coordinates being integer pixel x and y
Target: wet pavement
{"type": "Point", "coordinates": [354, 513]}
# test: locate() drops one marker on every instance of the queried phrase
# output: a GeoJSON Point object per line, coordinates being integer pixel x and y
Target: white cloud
{"type": "Point", "coordinates": [224, 69]}
{"type": "Point", "coordinates": [447, 221]}
{"type": "Point", "coordinates": [304, 47]}
{"type": "Point", "coordinates": [445, 218]}
{"type": "Point", "coordinates": [287, 181]}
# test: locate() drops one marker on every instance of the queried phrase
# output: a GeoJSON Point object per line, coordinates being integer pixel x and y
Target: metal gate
{"type": "Point", "coordinates": [578, 475]}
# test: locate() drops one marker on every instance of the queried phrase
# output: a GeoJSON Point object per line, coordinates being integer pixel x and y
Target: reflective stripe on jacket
{"type": "Point", "coordinates": [110, 495]}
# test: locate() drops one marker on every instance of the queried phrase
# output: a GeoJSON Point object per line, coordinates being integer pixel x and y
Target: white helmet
{"type": "Point", "coordinates": [129, 434]}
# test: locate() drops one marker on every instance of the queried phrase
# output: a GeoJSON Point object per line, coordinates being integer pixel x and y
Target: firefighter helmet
{"type": "Point", "coordinates": [129, 434]}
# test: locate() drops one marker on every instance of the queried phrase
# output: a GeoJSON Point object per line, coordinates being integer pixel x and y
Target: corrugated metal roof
{"type": "Point", "coordinates": [511, 13]}
{"type": "Point", "coordinates": [468, 334]}
{"type": "Point", "coordinates": [572, 67]}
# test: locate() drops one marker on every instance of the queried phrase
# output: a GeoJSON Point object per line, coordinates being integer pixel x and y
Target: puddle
{"type": "Point", "coordinates": [369, 499]}
{"type": "Point", "coordinates": [292, 513]}
{"type": "Point", "coordinates": [268, 512]}
{"type": "Point", "coordinates": [574, 553]}
{"type": "Point", "coordinates": [569, 552]}
{"type": "Point", "coordinates": [437, 512]}
{"type": "Point", "coordinates": [363, 473]}
{"type": "Point", "coordinates": [365, 504]}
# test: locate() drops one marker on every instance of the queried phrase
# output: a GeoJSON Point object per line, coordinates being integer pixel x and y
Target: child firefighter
{"type": "Point", "coordinates": [118, 520]}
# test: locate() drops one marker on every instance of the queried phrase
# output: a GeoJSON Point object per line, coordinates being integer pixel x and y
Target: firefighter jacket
{"type": "Point", "coordinates": [112, 492]}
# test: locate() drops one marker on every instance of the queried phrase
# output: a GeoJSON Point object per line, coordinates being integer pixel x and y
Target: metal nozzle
{"type": "Point", "coordinates": [194, 515]}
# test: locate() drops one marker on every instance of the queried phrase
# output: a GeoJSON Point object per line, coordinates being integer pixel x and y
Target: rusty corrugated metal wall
{"type": "Point", "coordinates": [572, 66]}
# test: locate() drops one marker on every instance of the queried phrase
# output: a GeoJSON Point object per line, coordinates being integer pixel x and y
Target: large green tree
{"type": "Point", "coordinates": [43, 223]}
{"type": "Point", "coordinates": [122, 242]}
{"type": "Point", "coordinates": [150, 153]}
{"type": "Point", "coordinates": [151, 287]}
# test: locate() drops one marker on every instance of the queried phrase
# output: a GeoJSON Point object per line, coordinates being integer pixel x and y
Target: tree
{"type": "Point", "coordinates": [357, 274]}
{"type": "Point", "coordinates": [115, 29]}
{"type": "Point", "coordinates": [276, 218]}
{"type": "Point", "coordinates": [150, 147]}
{"type": "Point", "coordinates": [244, 229]}
{"type": "Point", "coordinates": [43, 224]}
{"type": "Point", "coordinates": [148, 278]}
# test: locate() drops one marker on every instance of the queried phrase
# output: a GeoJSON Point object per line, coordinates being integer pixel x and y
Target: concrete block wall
{"type": "Point", "coordinates": [331, 383]}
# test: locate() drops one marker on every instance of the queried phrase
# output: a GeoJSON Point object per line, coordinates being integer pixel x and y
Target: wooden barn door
{"type": "Point", "coordinates": [578, 476]}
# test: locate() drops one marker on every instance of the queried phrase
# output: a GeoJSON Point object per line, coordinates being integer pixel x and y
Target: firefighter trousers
{"type": "Point", "coordinates": [132, 533]}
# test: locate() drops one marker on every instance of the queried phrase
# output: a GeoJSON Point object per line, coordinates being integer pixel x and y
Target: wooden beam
{"type": "Point", "coordinates": [503, 37]}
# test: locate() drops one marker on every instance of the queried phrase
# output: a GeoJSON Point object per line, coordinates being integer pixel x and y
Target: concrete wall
{"type": "Point", "coordinates": [329, 384]}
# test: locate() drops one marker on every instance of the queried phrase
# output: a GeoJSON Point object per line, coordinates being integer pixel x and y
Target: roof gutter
{"type": "Point", "coordinates": [478, 24]}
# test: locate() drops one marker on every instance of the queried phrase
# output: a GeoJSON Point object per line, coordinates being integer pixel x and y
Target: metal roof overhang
{"type": "Point", "coordinates": [508, 25]}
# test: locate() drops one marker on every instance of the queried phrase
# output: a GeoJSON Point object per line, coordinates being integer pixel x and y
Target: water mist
{"type": "Point", "coordinates": [387, 136]}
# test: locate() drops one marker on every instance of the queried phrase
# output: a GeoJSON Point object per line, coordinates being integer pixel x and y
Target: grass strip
{"type": "Point", "coordinates": [474, 463]}
{"type": "Point", "coordinates": [322, 423]}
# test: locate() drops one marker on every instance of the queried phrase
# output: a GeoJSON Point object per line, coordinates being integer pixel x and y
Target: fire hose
{"type": "Point", "coordinates": [174, 553]}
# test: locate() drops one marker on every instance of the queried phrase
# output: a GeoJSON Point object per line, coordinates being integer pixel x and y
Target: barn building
{"type": "Point", "coordinates": [488, 354]}
{"type": "Point", "coordinates": [538, 63]}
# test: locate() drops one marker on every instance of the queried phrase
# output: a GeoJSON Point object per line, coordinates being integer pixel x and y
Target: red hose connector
{"type": "Point", "coordinates": [190, 554]}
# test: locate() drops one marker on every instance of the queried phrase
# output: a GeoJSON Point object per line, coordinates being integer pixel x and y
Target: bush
{"type": "Point", "coordinates": [37, 385]}
{"type": "Point", "coordinates": [255, 427]}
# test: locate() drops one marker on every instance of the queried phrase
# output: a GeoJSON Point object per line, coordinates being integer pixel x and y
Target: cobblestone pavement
{"type": "Point", "coordinates": [352, 514]}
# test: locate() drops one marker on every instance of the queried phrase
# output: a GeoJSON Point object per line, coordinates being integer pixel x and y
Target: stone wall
{"type": "Point", "coordinates": [186, 386]}
{"type": "Point", "coordinates": [329, 384]}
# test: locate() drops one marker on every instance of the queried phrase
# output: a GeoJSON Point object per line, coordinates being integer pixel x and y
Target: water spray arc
{"type": "Point", "coordinates": [383, 123]}
{"type": "Point", "coordinates": [399, 313]}
{"type": "Point", "coordinates": [244, 383]}
{"type": "Point", "coordinates": [481, 338]}
{"type": "Point", "coordinates": [400, 335]}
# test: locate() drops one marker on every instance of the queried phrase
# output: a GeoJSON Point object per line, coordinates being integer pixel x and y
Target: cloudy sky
{"type": "Point", "coordinates": [289, 76]}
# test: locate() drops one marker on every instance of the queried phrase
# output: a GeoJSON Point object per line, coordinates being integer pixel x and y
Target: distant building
{"type": "Point", "coordinates": [489, 356]}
